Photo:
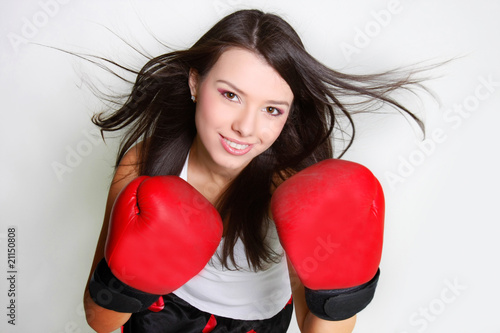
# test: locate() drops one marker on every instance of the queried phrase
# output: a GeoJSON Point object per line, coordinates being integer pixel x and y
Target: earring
{"type": "Point", "coordinates": [193, 98]}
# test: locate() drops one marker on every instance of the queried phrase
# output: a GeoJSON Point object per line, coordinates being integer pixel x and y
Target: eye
{"type": "Point", "coordinates": [273, 111]}
{"type": "Point", "coordinates": [230, 96]}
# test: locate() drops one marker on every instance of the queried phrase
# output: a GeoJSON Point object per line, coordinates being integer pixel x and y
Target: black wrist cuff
{"type": "Point", "coordinates": [110, 293]}
{"type": "Point", "coordinates": [340, 304]}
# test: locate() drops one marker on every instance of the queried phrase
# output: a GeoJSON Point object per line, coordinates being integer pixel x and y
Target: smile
{"type": "Point", "coordinates": [235, 145]}
{"type": "Point", "coordinates": [235, 148]}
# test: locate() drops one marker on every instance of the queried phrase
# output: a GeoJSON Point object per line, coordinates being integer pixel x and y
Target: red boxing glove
{"type": "Point", "coordinates": [330, 220]}
{"type": "Point", "coordinates": [162, 232]}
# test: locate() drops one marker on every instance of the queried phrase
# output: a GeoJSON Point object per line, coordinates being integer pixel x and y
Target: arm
{"type": "Point", "coordinates": [150, 220]}
{"type": "Point", "coordinates": [99, 318]}
{"type": "Point", "coordinates": [309, 323]}
{"type": "Point", "coordinates": [329, 218]}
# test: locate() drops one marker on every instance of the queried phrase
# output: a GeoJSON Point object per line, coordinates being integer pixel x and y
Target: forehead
{"type": "Point", "coordinates": [251, 74]}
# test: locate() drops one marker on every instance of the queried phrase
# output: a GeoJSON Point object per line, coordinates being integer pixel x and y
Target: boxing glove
{"type": "Point", "coordinates": [162, 232]}
{"type": "Point", "coordinates": [330, 221]}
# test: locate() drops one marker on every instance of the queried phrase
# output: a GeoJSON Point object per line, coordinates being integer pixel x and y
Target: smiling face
{"type": "Point", "coordinates": [242, 104]}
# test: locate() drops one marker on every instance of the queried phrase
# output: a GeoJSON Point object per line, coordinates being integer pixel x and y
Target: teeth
{"type": "Point", "coordinates": [235, 145]}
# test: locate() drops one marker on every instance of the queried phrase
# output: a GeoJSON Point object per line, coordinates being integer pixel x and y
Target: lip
{"type": "Point", "coordinates": [234, 151]}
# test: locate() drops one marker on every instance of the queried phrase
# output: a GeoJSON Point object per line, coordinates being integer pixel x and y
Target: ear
{"type": "Point", "coordinates": [193, 82]}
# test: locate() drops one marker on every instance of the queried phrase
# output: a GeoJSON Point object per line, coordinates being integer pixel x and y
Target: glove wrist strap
{"type": "Point", "coordinates": [340, 304]}
{"type": "Point", "coordinates": [109, 292]}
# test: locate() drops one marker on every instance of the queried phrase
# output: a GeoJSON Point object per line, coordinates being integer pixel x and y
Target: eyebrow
{"type": "Point", "coordinates": [240, 92]}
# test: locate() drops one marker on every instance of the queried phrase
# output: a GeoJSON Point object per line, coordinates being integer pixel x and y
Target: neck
{"type": "Point", "coordinates": [205, 175]}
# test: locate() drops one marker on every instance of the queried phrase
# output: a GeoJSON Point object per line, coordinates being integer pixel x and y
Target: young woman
{"type": "Point", "coordinates": [234, 115]}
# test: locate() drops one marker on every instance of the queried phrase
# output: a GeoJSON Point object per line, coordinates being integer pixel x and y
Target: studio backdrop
{"type": "Point", "coordinates": [439, 270]}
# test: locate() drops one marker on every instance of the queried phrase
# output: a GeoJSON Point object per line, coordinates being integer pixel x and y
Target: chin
{"type": "Point", "coordinates": [234, 163]}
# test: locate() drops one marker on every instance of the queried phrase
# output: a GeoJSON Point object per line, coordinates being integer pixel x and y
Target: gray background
{"type": "Point", "coordinates": [440, 263]}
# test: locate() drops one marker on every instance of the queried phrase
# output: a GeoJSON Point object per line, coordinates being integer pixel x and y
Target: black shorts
{"type": "Point", "coordinates": [178, 316]}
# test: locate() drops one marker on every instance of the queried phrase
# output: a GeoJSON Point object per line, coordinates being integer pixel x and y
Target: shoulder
{"type": "Point", "coordinates": [128, 168]}
{"type": "Point", "coordinates": [132, 157]}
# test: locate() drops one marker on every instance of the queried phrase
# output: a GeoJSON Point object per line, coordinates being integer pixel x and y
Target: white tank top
{"type": "Point", "coordinates": [239, 294]}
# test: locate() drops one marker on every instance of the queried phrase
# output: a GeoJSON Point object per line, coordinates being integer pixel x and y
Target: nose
{"type": "Point", "coordinates": [245, 123]}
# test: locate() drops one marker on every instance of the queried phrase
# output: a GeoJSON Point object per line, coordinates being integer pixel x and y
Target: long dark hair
{"type": "Point", "coordinates": [160, 113]}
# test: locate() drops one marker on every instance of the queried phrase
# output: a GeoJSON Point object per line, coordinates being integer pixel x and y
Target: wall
{"type": "Point", "coordinates": [439, 268]}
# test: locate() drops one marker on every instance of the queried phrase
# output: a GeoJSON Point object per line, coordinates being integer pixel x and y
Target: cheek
{"type": "Point", "coordinates": [207, 109]}
{"type": "Point", "coordinates": [272, 130]}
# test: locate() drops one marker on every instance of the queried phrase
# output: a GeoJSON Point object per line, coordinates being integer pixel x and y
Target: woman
{"type": "Point", "coordinates": [236, 114]}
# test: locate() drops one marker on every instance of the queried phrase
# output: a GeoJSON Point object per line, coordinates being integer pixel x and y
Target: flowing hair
{"type": "Point", "coordinates": [160, 113]}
